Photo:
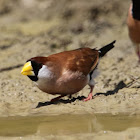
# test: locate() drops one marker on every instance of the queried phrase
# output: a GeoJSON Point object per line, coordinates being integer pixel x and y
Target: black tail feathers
{"type": "Point", "coordinates": [106, 48]}
{"type": "Point", "coordinates": [136, 9]}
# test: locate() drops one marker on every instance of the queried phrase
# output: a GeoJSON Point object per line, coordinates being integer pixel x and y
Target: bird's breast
{"type": "Point", "coordinates": [68, 83]}
{"type": "Point", "coordinates": [133, 27]}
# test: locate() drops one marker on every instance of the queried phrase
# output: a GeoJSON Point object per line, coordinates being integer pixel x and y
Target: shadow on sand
{"type": "Point", "coordinates": [119, 86]}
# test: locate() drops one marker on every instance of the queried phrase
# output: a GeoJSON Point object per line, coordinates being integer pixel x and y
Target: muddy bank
{"type": "Point", "coordinates": [89, 126]}
{"type": "Point", "coordinates": [76, 25]}
{"type": "Point", "coordinates": [34, 28]}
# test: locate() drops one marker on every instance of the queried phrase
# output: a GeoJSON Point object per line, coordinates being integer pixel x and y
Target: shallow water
{"type": "Point", "coordinates": [65, 124]}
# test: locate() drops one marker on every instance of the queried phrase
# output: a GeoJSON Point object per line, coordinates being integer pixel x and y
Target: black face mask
{"type": "Point", "coordinates": [36, 67]}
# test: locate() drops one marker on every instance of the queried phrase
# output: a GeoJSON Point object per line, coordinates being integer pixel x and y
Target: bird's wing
{"type": "Point", "coordinates": [82, 60]}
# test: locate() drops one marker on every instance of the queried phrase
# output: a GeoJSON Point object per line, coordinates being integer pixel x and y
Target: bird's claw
{"type": "Point", "coordinates": [88, 98]}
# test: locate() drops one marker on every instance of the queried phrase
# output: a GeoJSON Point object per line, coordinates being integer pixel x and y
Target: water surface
{"type": "Point", "coordinates": [65, 124]}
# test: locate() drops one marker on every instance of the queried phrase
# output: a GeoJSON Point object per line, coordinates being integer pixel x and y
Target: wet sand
{"type": "Point", "coordinates": [18, 126]}
{"type": "Point", "coordinates": [34, 28]}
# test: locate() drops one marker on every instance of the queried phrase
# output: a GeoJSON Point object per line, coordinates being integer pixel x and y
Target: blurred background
{"type": "Point", "coordinates": [31, 28]}
{"type": "Point", "coordinates": [41, 27]}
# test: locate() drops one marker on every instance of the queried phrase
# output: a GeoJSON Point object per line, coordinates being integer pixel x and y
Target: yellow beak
{"type": "Point", "coordinates": [28, 69]}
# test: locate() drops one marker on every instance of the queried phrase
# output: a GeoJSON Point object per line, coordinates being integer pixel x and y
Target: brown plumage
{"type": "Point", "coordinates": [133, 22]}
{"type": "Point", "coordinates": [67, 72]}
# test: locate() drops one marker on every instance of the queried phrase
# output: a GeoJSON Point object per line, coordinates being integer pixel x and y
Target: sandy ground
{"type": "Point", "coordinates": [34, 28]}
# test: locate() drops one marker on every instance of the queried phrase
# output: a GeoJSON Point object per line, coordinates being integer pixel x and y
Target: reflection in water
{"type": "Point", "coordinates": [65, 124]}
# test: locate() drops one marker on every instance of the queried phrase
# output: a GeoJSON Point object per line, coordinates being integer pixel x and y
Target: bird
{"type": "Point", "coordinates": [133, 23]}
{"type": "Point", "coordinates": [67, 72]}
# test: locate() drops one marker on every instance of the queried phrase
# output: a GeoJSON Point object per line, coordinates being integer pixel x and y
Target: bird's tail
{"type": "Point", "coordinates": [106, 48]}
{"type": "Point", "coordinates": [136, 9]}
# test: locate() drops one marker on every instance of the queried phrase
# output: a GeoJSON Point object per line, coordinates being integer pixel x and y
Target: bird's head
{"type": "Point", "coordinates": [32, 67]}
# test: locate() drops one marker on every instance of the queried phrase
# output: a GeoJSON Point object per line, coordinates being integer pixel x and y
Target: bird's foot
{"type": "Point", "coordinates": [53, 100]}
{"type": "Point", "coordinates": [56, 99]}
{"type": "Point", "coordinates": [89, 97]}
{"type": "Point", "coordinates": [138, 52]}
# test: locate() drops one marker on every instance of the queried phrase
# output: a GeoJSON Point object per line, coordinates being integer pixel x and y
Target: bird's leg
{"type": "Point", "coordinates": [138, 51]}
{"type": "Point", "coordinates": [70, 96]}
{"type": "Point", "coordinates": [90, 94]}
{"type": "Point", "coordinates": [57, 98]}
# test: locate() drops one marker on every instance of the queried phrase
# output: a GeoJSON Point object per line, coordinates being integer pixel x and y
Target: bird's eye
{"type": "Point", "coordinates": [36, 65]}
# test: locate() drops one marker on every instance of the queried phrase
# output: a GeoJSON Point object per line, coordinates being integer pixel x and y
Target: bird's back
{"type": "Point", "coordinates": [82, 60]}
